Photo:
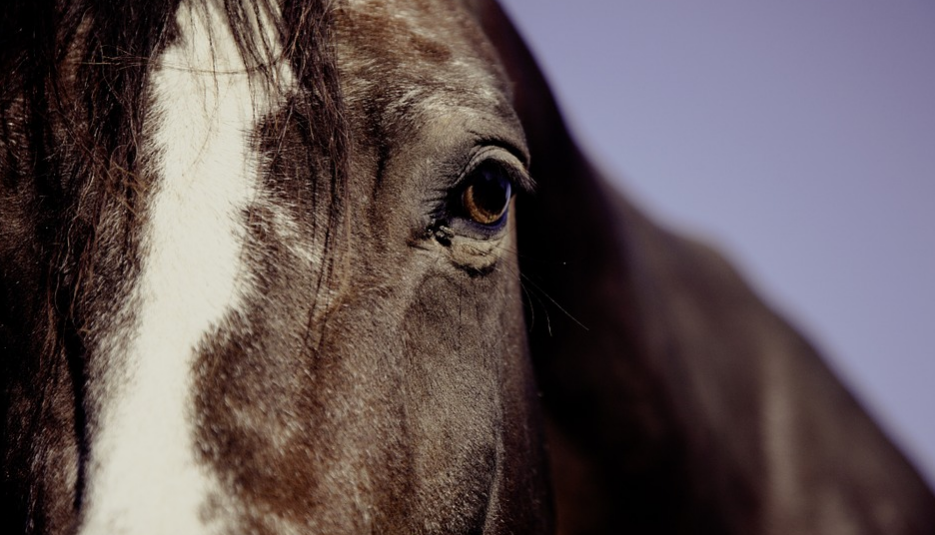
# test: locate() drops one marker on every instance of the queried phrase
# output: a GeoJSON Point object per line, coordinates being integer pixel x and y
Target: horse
{"type": "Point", "coordinates": [338, 267]}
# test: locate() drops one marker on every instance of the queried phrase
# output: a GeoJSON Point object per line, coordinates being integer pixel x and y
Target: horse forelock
{"type": "Point", "coordinates": [87, 143]}
{"type": "Point", "coordinates": [74, 100]}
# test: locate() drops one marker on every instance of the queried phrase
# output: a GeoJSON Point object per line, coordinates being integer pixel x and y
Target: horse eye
{"type": "Point", "coordinates": [488, 194]}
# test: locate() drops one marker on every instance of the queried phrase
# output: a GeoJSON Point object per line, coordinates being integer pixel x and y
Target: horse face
{"type": "Point", "coordinates": [292, 354]}
{"type": "Point", "coordinates": [246, 287]}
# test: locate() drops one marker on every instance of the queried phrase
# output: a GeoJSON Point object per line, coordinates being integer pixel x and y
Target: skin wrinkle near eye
{"type": "Point", "coordinates": [478, 256]}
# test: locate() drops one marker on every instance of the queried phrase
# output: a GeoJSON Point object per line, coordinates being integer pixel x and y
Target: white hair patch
{"type": "Point", "coordinates": [144, 476]}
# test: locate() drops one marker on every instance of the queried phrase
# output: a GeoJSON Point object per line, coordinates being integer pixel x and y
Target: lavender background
{"type": "Point", "coordinates": [797, 135]}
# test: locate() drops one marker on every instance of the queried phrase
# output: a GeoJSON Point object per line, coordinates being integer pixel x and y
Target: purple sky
{"type": "Point", "coordinates": [800, 137]}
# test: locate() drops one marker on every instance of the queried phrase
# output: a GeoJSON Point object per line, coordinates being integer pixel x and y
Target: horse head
{"type": "Point", "coordinates": [314, 267]}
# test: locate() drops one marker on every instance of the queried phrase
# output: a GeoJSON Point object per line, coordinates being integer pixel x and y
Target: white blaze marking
{"type": "Point", "coordinates": [143, 476]}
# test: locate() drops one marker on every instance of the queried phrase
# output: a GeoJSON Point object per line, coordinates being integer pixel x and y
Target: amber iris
{"type": "Point", "coordinates": [487, 197]}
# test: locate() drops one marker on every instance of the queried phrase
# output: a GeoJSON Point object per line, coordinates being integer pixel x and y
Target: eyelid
{"type": "Point", "coordinates": [511, 163]}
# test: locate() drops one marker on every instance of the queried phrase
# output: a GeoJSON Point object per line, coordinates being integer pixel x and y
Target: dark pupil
{"type": "Point", "coordinates": [488, 194]}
